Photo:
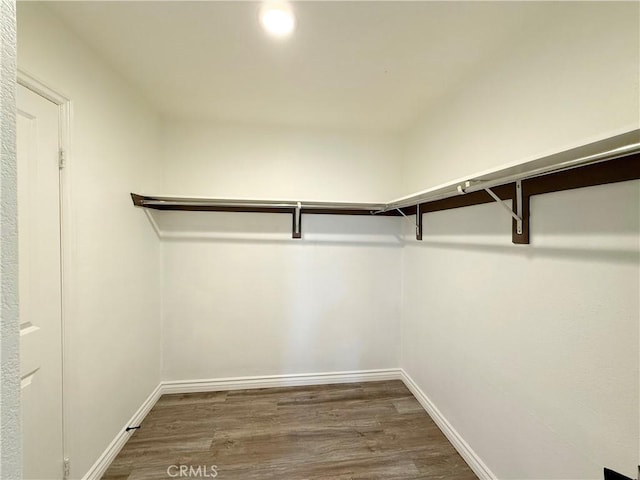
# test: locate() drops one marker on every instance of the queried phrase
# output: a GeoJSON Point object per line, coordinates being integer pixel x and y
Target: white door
{"type": "Point", "coordinates": [40, 286]}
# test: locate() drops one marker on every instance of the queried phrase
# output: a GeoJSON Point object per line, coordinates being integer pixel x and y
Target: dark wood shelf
{"type": "Point", "coordinates": [616, 159]}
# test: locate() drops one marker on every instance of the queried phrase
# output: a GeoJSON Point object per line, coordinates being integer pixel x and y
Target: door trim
{"type": "Point", "coordinates": [64, 104]}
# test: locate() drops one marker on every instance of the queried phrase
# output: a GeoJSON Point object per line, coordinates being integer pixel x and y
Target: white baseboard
{"type": "Point", "coordinates": [103, 462]}
{"type": "Point", "coordinates": [466, 452]}
{"type": "Point", "coordinates": [269, 381]}
{"type": "Point", "coordinates": [210, 385]}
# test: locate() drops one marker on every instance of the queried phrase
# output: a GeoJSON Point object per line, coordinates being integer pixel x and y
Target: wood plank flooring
{"type": "Point", "coordinates": [365, 431]}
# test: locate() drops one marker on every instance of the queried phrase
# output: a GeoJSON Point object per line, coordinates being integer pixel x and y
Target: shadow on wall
{"type": "Point", "coordinates": [599, 223]}
{"type": "Point", "coordinates": [276, 228]}
{"type": "Point", "coordinates": [596, 223]}
{"type": "Point", "coordinates": [613, 256]}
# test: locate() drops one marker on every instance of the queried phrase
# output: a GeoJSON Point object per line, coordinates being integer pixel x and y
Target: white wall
{"type": "Point", "coordinates": [112, 337]}
{"type": "Point", "coordinates": [240, 297]}
{"type": "Point", "coordinates": [571, 78]}
{"type": "Point", "coordinates": [531, 352]}
{"type": "Point", "coordinates": [521, 380]}
{"type": "Point", "coordinates": [10, 451]}
{"type": "Point", "coordinates": [256, 302]}
{"type": "Point", "coordinates": [233, 160]}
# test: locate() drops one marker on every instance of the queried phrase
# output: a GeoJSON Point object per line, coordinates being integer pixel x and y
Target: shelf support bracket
{"type": "Point", "coordinates": [418, 221]}
{"type": "Point", "coordinates": [517, 201]}
{"type": "Point", "coordinates": [520, 230]}
{"type": "Point", "coordinates": [297, 222]}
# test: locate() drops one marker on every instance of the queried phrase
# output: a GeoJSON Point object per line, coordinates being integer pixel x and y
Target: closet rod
{"type": "Point", "coordinates": [161, 203]}
{"type": "Point", "coordinates": [609, 149]}
{"type": "Point", "coordinates": [579, 162]}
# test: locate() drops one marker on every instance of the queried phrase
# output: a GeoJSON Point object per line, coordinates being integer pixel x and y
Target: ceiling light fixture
{"type": "Point", "coordinates": [277, 18]}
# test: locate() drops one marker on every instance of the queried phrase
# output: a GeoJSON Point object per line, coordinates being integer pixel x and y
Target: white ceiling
{"type": "Point", "coordinates": [366, 65]}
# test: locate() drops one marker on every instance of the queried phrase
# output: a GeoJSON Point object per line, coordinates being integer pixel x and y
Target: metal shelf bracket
{"type": "Point", "coordinates": [297, 221]}
{"type": "Point", "coordinates": [517, 215]}
{"type": "Point", "coordinates": [517, 202]}
{"type": "Point", "coordinates": [418, 221]}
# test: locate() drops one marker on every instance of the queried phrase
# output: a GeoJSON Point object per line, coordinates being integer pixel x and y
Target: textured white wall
{"type": "Point", "coordinates": [10, 457]}
{"type": "Point", "coordinates": [112, 329]}
{"type": "Point", "coordinates": [219, 160]}
{"type": "Point", "coordinates": [531, 352]}
{"type": "Point", "coordinates": [571, 78]}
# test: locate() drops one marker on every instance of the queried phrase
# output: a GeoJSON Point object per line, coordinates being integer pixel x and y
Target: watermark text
{"type": "Point", "coordinates": [197, 471]}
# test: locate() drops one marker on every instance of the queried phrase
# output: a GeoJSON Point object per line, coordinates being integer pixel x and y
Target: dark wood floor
{"type": "Point", "coordinates": [367, 431]}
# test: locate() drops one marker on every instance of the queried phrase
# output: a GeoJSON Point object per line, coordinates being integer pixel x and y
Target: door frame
{"type": "Point", "coordinates": [64, 104]}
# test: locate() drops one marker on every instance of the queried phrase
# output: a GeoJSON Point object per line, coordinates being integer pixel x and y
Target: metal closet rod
{"type": "Point", "coordinates": [609, 149]}
{"type": "Point", "coordinates": [231, 203]}
{"type": "Point", "coordinates": [475, 185]}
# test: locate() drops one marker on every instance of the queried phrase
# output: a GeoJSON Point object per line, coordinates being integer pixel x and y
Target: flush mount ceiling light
{"type": "Point", "coordinates": [277, 18]}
